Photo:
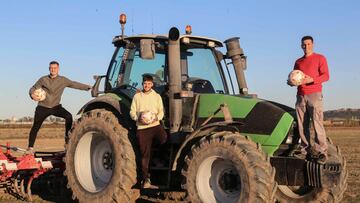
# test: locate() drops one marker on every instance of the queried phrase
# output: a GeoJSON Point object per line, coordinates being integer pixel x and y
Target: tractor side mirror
{"type": "Point", "coordinates": [147, 49]}
{"type": "Point", "coordinates": [95, 89]}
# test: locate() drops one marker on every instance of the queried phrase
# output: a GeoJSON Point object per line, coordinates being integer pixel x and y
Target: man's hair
{"type": "Point", "coordinates": [306, 38]}
{"type": "Point", "coordinates": [147, 77]}
{"type": "Point", "coordinates": [54, 62]}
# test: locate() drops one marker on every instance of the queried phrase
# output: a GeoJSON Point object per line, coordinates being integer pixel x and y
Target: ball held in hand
{"type": "Point", "coordinates": [39, 94]}
{"type": "Point", "coordinates": [296, 77]}
{"type": "Point", "coordinates": [147, 117]}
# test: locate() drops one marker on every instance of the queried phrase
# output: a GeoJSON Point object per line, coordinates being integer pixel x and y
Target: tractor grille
{"type": "Point", "coordinates": [332, 168]}
{"type": "Point", "coordinates": [314, 173]}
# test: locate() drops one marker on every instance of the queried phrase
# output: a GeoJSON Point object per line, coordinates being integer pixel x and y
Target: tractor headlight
{"type": "Point", "coordinates": [293, 134]}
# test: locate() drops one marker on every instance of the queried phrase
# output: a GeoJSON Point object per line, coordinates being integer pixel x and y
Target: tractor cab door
{"type": "Point", "coordinates": [202, 74]}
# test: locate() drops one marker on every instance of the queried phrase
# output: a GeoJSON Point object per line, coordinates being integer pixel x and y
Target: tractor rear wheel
{"type": "Point", "coordinates": [227, 167]}
{"type": "Point", "coordinates": [301, 194]}
{"type": "Point", "coordinates": [100, 161]}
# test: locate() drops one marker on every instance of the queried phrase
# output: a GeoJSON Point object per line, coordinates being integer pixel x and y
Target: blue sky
{"type": "Point", "coordinates": [78, 34]}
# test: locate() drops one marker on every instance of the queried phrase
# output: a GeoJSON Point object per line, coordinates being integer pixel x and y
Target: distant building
{"type": "Point", "coordinates": [13, 119]}
{"type": "Point", "coordinates": [327, 123]}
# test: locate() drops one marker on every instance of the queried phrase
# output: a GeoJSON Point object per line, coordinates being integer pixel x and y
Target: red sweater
{"type": "Point", "coordinates": [316, 67]}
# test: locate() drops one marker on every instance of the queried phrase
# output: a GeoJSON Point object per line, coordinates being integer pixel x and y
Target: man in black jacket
{"type": "Point", "coordinates": [54, 85]}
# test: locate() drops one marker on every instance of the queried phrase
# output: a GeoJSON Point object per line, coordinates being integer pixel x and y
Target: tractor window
{"type": "Point", "coordinates": [136, 67]}
{"type": "Point", "coordinates": [202, 66]}
{"type": "Point", "coordinates": [113, 73]}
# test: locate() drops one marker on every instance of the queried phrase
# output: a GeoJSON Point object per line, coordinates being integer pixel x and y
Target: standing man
{"type": "Point", "coordinates": [309, 103]}
{"type": "Point", "coordinates": [147, 100]}
{"type": "Point", "coordinates": [54, 85]}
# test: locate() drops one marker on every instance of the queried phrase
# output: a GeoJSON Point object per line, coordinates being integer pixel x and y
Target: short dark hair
{"type": "Point", "coordinates": [148, 77]}
{"type": "Point", "coordinates": [54, 62]}
{"type": "Point", "coordinates": [306, 38]}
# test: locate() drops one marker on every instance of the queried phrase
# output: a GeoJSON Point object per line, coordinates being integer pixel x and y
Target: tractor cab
{"type": "Point", "coordinates": [181, 69]}
{"type": "Point", "coordinates": [199, 66]}
{"type": "Point", "coordinates": [135, 56]}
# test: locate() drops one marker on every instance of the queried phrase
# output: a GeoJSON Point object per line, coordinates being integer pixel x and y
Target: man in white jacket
{"type": "Point", "coordinates": [147, 101]}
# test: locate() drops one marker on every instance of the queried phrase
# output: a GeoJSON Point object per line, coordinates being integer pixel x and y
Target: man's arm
{"type": "Point", "coordinates": [37, 85]}
{"type": "Point", "coordinates": [133, 110]}
{"type": "Point", "coordinates": [76, 85]}
{"type": "Point", "coordinates": [323, 71]}
{"type": "Point", "coordinates": [160, 107]}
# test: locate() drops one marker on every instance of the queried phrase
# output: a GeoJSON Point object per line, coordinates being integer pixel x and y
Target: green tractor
{"type": "Point", "coordinates": [223, 147]}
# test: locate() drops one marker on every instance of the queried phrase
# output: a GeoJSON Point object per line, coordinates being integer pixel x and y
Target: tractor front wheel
{"type": "Point", "coordinates": [302, 194]}
{"type": "Point", "coordinates": [227, 167]}
{"type": "Point", "coordinates": [100, 161]}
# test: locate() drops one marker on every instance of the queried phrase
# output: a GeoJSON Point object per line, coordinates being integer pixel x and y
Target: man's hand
{"type": "Point", "coordinates": [141, 121]}
{"type": "Point", "coordinates": [89, 88]}
{"type": "Point", "coordinates": [307, 80]}
{"type": "Point", "coordinates": [289, 83]}
{"type": "Point", "coordinates": [35, 97]}
{"type": "Point", "coordinates": [156, 118]}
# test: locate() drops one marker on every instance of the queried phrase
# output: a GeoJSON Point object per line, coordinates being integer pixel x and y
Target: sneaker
{"type": "Point", "coordinates": [30, 150]}
{"type": "Point", "coordinates": [321, 159]}
{"type": "Point", "coordinates": [147, 184]}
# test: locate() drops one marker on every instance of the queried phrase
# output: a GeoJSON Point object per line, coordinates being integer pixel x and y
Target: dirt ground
{"type": "Point", "coordinates": [51, 139]}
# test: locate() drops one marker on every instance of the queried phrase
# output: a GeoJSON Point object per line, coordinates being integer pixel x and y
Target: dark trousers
{"type": "Point", "coordinates": [41, 113]}
{"type": "Point", "coordinates": [145, 138]}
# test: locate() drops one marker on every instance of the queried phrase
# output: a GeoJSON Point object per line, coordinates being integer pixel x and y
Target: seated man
{"type": "Point", "coordinates": [199, 85]}
{"type": "Point", "coordinates": [147, 129]}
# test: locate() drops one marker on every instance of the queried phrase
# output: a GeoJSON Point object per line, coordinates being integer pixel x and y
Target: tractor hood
{"type": "Point", "coordinates": [288, 109]}
{"type": "Point", "coordinates": [264, 122]}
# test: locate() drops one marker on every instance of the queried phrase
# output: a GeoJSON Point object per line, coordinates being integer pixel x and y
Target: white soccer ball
{"type": "Point", "coordinates": [147, 117]}
{"type": "Point", "coordinates": [295, 77]}
{"type": "Point", "coordinates": [40, 94]}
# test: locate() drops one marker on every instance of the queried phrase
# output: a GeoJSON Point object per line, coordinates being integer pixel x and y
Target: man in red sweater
{"type": "Point", "coordinates": [309, 102]}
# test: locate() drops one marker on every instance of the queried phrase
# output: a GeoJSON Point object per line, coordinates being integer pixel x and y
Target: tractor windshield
{"type": "Point", "coordinates": [202, 66]}
{"type": "Point", "coordinates": [136, 67]}
{"type": "Point", "coordinates": [199, 68]}
{"type": "Point", "coordinates": [127, 68]}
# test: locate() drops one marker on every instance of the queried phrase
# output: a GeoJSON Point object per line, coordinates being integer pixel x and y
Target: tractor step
{"type": "Point", "coordinates": [162, 166]}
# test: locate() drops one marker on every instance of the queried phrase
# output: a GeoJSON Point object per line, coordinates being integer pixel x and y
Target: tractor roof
{"type": "Point", "coordinates": [192, 38]}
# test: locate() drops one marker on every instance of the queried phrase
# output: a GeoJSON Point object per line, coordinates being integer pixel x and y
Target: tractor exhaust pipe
{"type": "Point", "coordinates": [236, 54]}
{"type": "Point", "coordinates": [175, 102]}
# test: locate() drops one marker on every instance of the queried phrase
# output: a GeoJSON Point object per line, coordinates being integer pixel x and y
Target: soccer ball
{"type": "Point", "coordinates": [147, 117]}
{"type": "Point", "coordinates": [295, 77]}
{"type": "Point", "coordinates": [40, 94]}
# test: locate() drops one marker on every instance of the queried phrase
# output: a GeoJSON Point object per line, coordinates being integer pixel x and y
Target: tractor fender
{"type": "Point", "coordinates": [107, 101]}
{"type": "Point", "coordinates": [201, 132]}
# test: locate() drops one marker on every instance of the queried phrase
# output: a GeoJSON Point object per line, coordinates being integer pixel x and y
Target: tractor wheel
{"type": "Point", "coordinates": [312, 194]}
{"type": "Point", "coordinates": [227, 167]}
{"type": "Point", "coordinates": [100, 160]}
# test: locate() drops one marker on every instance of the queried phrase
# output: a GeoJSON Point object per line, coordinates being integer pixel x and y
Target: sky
{"type": "Point", "coordinates": [78, 34]}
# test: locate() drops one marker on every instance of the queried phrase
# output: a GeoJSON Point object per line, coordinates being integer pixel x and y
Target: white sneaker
{"type": "Point", "coordinates": [30, 150]}
{"type": "Point", "coordinates": [147, 184]}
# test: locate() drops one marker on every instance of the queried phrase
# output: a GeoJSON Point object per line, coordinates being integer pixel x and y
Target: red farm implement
{"type": "Point", "coordinates": [17, 173]}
